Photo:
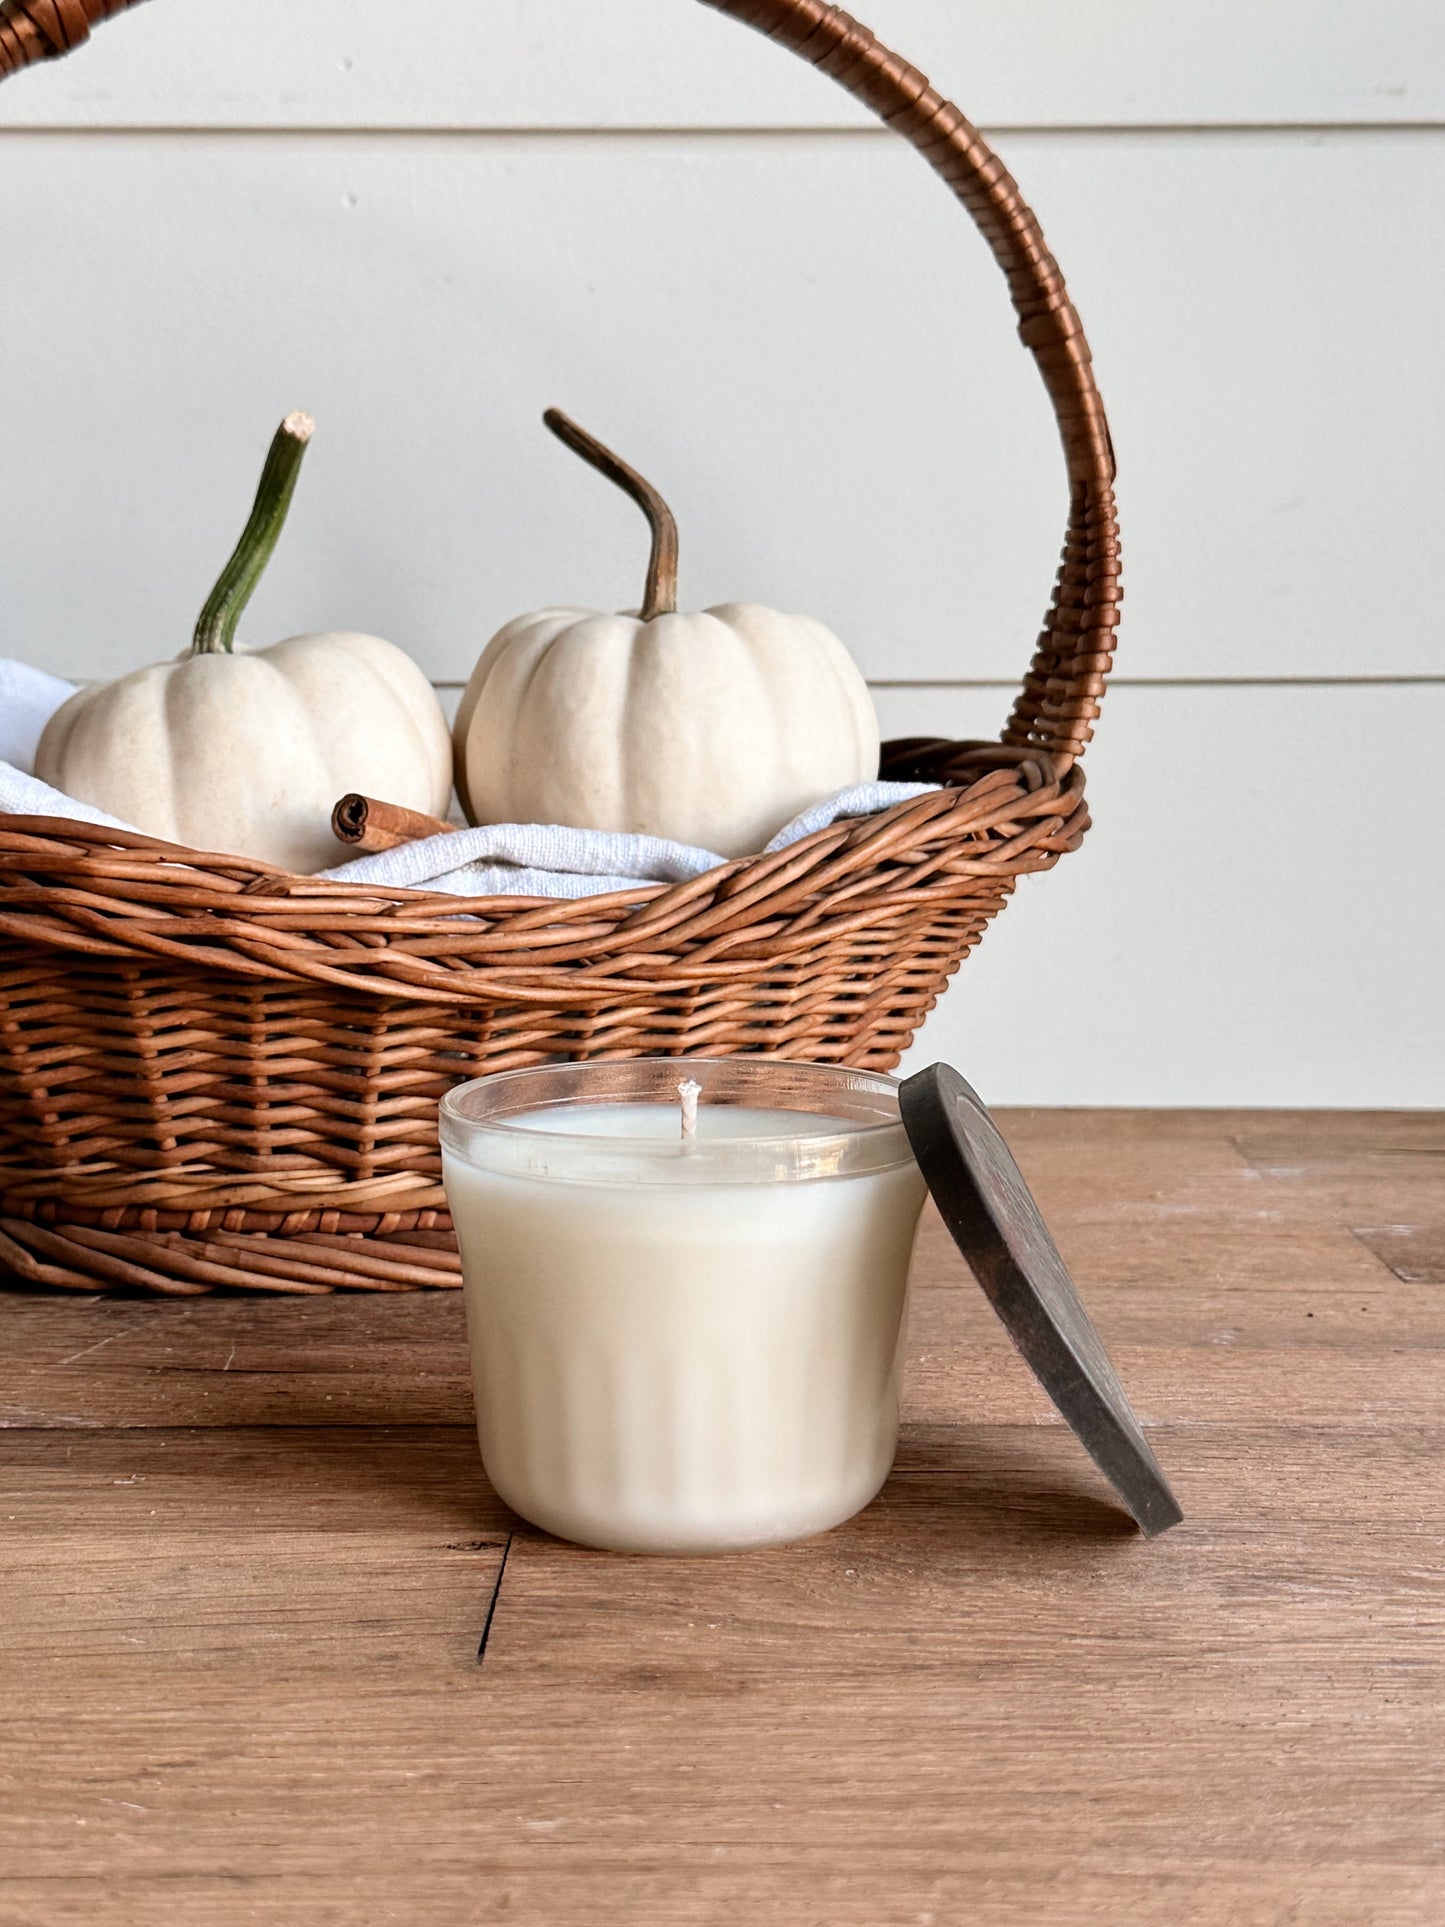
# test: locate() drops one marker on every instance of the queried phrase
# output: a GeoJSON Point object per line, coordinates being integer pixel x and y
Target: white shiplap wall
{"type": "Point", "coordinates": [705, 251]}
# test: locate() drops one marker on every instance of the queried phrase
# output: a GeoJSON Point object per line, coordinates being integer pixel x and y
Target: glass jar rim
{"type": "Point", "coordinates": [479, 1121]}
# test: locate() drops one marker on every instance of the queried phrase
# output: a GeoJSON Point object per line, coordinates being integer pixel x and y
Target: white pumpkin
{"type": "Point", "coordinates": [247, 753]}
{"type": "Point", "coordinates": [713, 729]}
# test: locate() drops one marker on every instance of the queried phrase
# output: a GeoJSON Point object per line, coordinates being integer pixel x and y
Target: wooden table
{"type": "Point", "coordinates": [250, 1559]}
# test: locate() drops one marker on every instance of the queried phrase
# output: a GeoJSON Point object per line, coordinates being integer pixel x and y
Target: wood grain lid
{"type": "Point", "coordinates": [997, 1226]}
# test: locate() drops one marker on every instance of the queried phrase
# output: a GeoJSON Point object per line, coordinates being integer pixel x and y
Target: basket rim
{"type": "Point", "coordinates": [81, 887]}
{"type": "Point", "coordinates": [295, 885]}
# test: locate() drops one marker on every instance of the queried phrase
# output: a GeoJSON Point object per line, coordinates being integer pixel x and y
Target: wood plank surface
{"type": "Point", "coordinates": [250, 1557]}
{"type": "Point", "coordinates": [1415, 1253]}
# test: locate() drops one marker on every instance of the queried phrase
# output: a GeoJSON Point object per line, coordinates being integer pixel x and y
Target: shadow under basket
{"type": "Point", "coordinates": [216, 1074]}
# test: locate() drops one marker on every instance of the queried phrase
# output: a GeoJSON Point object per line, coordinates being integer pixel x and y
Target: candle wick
{"type": "Point", "coordinates": [687, 1095]}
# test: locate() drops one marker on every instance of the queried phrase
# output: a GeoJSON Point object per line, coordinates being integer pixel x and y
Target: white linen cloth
{"type": "Point", "coordinates": [497, 860]}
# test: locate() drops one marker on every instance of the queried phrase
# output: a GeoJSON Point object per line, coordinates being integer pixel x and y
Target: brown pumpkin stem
{"type": "Point", "coordinates": [659, 598]}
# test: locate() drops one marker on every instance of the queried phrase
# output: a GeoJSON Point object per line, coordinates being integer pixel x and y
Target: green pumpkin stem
{"type": "Point", "coordinates": [659, 598]}
{"type": "Point", "coordinates": [216, 630]}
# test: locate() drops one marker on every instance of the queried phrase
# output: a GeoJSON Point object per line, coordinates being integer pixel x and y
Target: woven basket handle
{"type": "Point", "coordinates": [1065, 681]}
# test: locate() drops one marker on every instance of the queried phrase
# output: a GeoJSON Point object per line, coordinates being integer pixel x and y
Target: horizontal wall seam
{"type": "Point", "coordinates": [1147, 682]}
{"type": "Point", "coordinates": [393, 130]}
{"type": "Point", "coordinates": [1186, 682]}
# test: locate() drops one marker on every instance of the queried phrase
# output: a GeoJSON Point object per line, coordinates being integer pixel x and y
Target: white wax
{"type": "Point", "coordinates": [676, 1366]}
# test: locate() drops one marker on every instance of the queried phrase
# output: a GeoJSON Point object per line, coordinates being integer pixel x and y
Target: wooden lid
{"type": "Point", "coordinates": [997, 1226]}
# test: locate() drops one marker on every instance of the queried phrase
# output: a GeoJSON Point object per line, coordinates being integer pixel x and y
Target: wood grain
{"type": "Point", "coordinates": [249, 1555]}
{"type": "Point", "coordinates": [1386, 1179]}
{"type": "Point", "coordinates": [1414, 1252]}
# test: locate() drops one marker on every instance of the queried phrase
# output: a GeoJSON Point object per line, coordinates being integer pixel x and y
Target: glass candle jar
{"type": "Point", "coordinates": [685, 1307]}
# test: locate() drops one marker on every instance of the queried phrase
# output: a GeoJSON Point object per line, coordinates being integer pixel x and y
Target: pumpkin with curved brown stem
{"type": "Point", "coordinates": [712, 729]}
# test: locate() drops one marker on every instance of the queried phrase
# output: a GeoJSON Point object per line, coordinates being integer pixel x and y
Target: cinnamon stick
{"type": "Point", "coordinates": [368, 826]}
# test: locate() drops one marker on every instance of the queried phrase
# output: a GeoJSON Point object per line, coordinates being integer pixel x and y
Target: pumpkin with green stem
{"type": "Point", "coordinates": [245, 752]}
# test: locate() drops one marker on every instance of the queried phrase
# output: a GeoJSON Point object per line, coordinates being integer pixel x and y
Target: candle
{"type": "Point", "coordinates": [685, 1307]}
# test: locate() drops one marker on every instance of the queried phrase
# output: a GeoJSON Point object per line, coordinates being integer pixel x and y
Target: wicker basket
{"type": "Point", "coordinates": [213, 1073]}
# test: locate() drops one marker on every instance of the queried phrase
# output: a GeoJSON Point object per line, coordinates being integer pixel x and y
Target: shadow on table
{"type": "Point", "coordinates": [1029, 1481]}
{"type": "Point", "coordinates": [988, 1485]}
{"type": "Point", "coordinates": [984, 1489]}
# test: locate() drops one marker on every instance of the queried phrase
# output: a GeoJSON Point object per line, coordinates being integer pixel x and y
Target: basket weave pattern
{"type": "Point", "coordinates": [213, 1073]}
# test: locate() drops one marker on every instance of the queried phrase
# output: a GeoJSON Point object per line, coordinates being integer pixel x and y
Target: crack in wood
{"type": "Point", "coordinates": [492, 1603]}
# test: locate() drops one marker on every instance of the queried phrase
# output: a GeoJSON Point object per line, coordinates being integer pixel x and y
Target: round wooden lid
{"type": "Point", "coordinates": [997, 1226]}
